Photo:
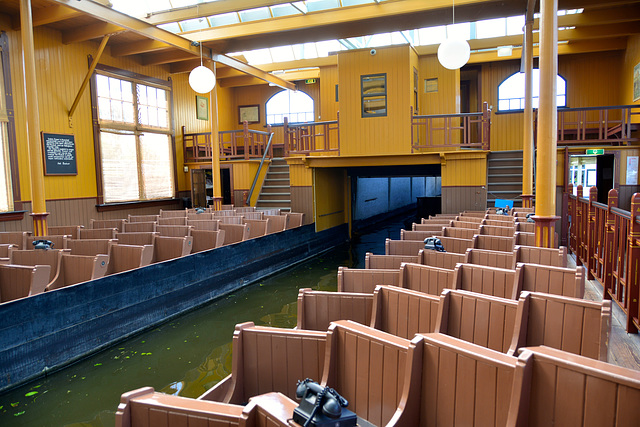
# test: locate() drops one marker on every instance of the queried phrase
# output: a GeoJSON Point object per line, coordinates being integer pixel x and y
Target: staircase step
{"type": "Point", "coordinates": [505, 175]}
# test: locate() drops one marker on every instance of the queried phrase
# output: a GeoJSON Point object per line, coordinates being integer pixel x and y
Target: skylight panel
{"type": "Point", "coordinates": [515, 25]}
{"type": "Point", "coordinates": [258, 56]}
{"type": "Point", "coordinates": [284, 10]}
{"type": "Point", "coordinates": [300, 5]}
{"type": "Point", "coordinates": [182, 3]}
{"type": "Point", "coordinates": [172, 27]}
{"type": "Point", "coordinates": [140, 8]}
{"type": "Point", "coordinates": [356, 2]}
{"type": "Point", "coordinates": [224, 19]}
{"type": "Point", "coordinates": [194, 24]}
{"type": "Point", "coordinates": [325, 47]}
{"type": "Point", "coordinates": [315, 5]}
{"type": "Point", "coordinates": [459, 31]}
{"type": "Point", "coordinates": [377, 40]}
{"type": "Point", "coordinates": [255, 14]}
{"type": "Point", "coordinates": [488, 28]}
{"type": "Point", "coordinates": [282, 54]}
{"type": "Point", "coordinates": [305, 51]}
{"type": "Point", "coordinates": [398, 38]}
{"type": "Point", "coordinates": [432, 35]}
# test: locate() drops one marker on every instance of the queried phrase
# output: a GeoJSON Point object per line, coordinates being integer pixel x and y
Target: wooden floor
{"type": "Point", "coordinates": [624, 349]}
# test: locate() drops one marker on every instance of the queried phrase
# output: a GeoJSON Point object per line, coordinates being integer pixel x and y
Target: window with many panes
{"type": "Point", "coordinates": [296, 106]}
{"type": "Point", "coordinates": [6, 193]}
{"type": "Point", "coordinates": [511, 92]}
{"type": "Point", "coordinates": [134, 139]}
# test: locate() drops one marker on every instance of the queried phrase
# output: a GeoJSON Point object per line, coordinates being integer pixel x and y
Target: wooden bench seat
{"type": "Point", "coordinates": [474, 219]}
{"type": "Point", "coordinates": [387, 261]}
{"type": "Point", "coordinates": [205, 239]}
{"type": "Point", "coordinates": [178, 220]}
{"type": "Point", "coordinates": [57, 241]}
{"type": "Point", "coordinates": [456, 245]}
{"type": "Point", "coordinates": [141, 238]}
{"type": "Point", "coordinates": [496, 217]}
{"type": "Point", "coordinates": [166, 248]}
{"type": "Point", "coordinates": [128, 257]}
{"type": "Point", "coordinates": [253, 215]}
{"type": "Point", "coordinates": [493, 281]}
{"type": "Point", "coordinates": [277, 223]}
{"type": "Point", "coordinates": [231, 219]}
{"type": "Point", "coordinates": [527, 227]}
{"type": "Point", "coordinates": [5, 253]}
{"type": "Point", "coordinates": [97, 233]}
{"type": "Point", "coordinates": [20, 281]}
{"type": "Point", "coordinates": [199, 216]}
{"type": "Point", "coordinates": [271, 211]}
{"type": "Point", "coordinates": [425, 278]}
{"type": "Point", "coordinates": [365, 280]}
{"type": "Point", "coordinates": [68, 230]}
{"type": "Point", "coordinates": [33, 257]}
{"type": "Point", "coordinates": [174, 213]}
{"type": "Point", "coordinates": [402, 247]}
{"type": "Point", "coordinates": [20, 239]}
{"type": "Point", "coordinates": [526, 239]}
{"type": "Point", "coordinates": [294, 219]}
{"type": "Point", "coordinates": [568, 282]}
{"type": "Point", "coordinates": [234, 233]}
{"type": "Point", "coordinates": [438, 221]}
{"type": "Point", "coordinates": [493, 230]}
{"type": "Point", "coordinates": [506, 260]}
{"type": "Point", "coordinates": [317, 309]}
{"type": "Point", "coordinates": [418, 235]}
{"type": "Point", "coordinates": [447, 260]}
{"type": "Point", "coordinates": [142, 218]}
{"type": "Point", "coordinates": [256, 227]}
{"type": "Point", "coordinates": [90, 246]}
{"type": "Point", "coordinates": [495, 222]}
{"type": "Point", "coordinates": [174, 230]}
{"type": "Point", "coordinates": [494, 243]}
{"type": "Point", "coordinates": [244, 209]}
{"type": "Point", "coordinates": [545, 256]}
{"type": "Point", "coordinates": [107, 223]}
{"type": "Point", "coordinates": [76, 269]}
{"type": "Point", "coordinates": [463, 224]}
{"type": "Point", "coordinates": [140, 227]}
{"type": "Point", "coordinates": [204, 224]}
{"type": "Point", "coordinates": [460, 233]}
{"type": "Point", "coordinates": [224, 212]}
{"type": "Point", "coordinates": [431, 228]}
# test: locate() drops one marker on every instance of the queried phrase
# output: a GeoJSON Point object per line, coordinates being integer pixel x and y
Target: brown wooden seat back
{"type": "Point", "coordinates": [199, 216]}
{"type": "Point", "coordinates": [127, 257]}
{"type": "Point", "coordinates": [142, 238]}
{"type": "Point", "coordinates": [403, 312]}
{"type": "Point", "coordinates": [139, 227]}
{"type": "Point", "coordinates": [365, 280]}
{"type": "Point", "coordinates": [179, 213]}
{"type": "Point", "coordinates": [20, 281]}
{"type": "Point", "coordinates": [496, 217]}
{"type": "Point", "coordinates": [79, 268]}
{"type": "Point", "coordinates": [143, 218]}
{"type": "Point", "coordinates": [431, 228]}
{"type": "Point", "coordinates": [447, 260]}
{"type": "Point", "coordinates": [244, 209]}
{"type": "Point", "coordinates": [494, 243]}
{"type": "Point", "coordinates": [568, 282]}
{"type": "Point", "coordinates": [174, 230]}
{"type": "Point", "coordinates": [498, 282]}
{"type": "Point", "coordinates": [317, 309]}
{"type": "Point", "coordinates": [387, 261]}
{"type": "Point", "coordinates": [226, 212]}
{"type": "Point", "coordinates": [492, 230]}
{"type": "Point", "coordinates": [438, 221]}
{"type": "Point", "coordinates": [496, 259]}
{"type": "Point", "coordinates": [570, 324]}
{"type": "Point", "coordinates": [460, 233]}
{"type": "Point", "coordinates": [51, 257]}
{"type": "Point", "coordinates": [418, 235]}
{"type": "Point", "coordinates": [277, 223]}
{"type": "Point", "coordinates": [481, 319]}
{"type": "Point", "coordinates": [204, 224]}
{"type": "Point", "coordinates": [90, 246]}
{"type": "Point", "coordinates": [475, 219]}
{"type": "Point", "coordinates": [5, 252]}
{"type": "Point", "coordinates": [257, 227]}
{"type": "Point", "coordinates": [544, 256]}
{"type": "Point", "coordinates": [402, 247]}
{"type": "Point", "coordinates": [177, 220]}
{"type": "Point", "coordinates": [67, 230]}
{"type": "Point", "coordinates": [371, 368]}
{"type": "Point", "coordinates": [97, 233]}
{"type": "Point", "coordinates": [294, 219]}
{"type": "Point", "coordinates": [225, 208]}
{"type": "Point", "coordinates": [495, 222]}
{"type": "Point", "coordinates": [166, 248]}
{"type": "Point", "coordinates": [425, 278]}
{"type": "Point", "coordinates": [463, 224]}
{"type": "Point", "coordinates": [231, 219]}
{"type": "Point", "coordinates": [17, 238]}
{"type": "Point", "coordinates": [527, 227]}
{"type": "Point", "coordinates": [204, 239]}
{"type": "Point", "coordinates": [453, 244]}
{"type": "Point", "coordinates": [234, 233]}
{"type": "Point", "coordinates": [59, 241]}
{"type": "Point", "coordinates": [107, 223]}
{"type": "Point", "coordinates": [525, 239]}
{"type": "Point", "coordinates": [271, 211]}
{"type": "Point", "coordinates": [253, 215]}
{"type": "Point", "coordinates": [563, 389]}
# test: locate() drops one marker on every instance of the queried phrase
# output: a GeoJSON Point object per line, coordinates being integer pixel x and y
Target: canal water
{"type": "Point", "coordinates": [187, 355]}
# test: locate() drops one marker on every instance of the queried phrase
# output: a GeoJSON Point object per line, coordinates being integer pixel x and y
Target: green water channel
{"type": "Point", "coordinates": [185, 356]}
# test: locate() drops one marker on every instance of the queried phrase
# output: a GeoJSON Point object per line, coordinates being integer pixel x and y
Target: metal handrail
{"type": "Point", "coordinates": [255, 178]}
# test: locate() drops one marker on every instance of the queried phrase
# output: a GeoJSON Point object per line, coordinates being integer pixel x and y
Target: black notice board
{"type": "Point", "coordinates": [59, 153]}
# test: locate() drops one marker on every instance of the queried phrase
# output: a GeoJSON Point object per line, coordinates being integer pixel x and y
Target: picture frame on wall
{"type": "Point", "coordinates": [202, 107]}
{"type": "Point", "coordinates": [636, 82]}
{"type": "Point", "coordinates": [250, 113]}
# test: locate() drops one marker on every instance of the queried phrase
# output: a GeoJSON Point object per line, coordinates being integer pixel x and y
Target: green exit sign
{"type": "Point", "coordinates": [595, 151]}
{"type": "Point", "coordinates": [310, 81]}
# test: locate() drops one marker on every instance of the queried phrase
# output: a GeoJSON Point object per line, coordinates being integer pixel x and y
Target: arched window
{"type": "Point", "coordinates": [296, 106]}
{"type": "Point", "coordinates": [511, 92]}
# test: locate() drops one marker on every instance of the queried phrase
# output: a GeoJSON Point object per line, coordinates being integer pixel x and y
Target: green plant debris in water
{"type": "Point", "coordinates": [18, 413]}
{"type": "Point", "coordinates": [31, 393]}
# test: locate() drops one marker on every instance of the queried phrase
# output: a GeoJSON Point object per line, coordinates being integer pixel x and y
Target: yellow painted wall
{"type": "Point", "coordinates": [329, 198]}
{"type": "Point", "coordinates": [375, 135]}
{"type": "Point", "coordinates": [464, 169]}
{"type": "Point", "coordinates": [300, 175]}
{"type": "Point", "coordinates": [631, 59]}
{"type": "Point", "coordinates": [447, 99]}
{"type": "Point", "coordinates": [328, 82]}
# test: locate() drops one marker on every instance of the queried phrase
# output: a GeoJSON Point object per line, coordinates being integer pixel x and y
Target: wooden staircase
{"type": "Point", "coordinates": [504, 177]}
{"type": "Point", "coordinates": [276, 190]}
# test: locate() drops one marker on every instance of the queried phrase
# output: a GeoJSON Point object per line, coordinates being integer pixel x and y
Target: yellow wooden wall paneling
{"type": "Point", "coordinates": [468, 169]}
{"type": "Point", "coordinates": [328, 82]}
{"type": "Point", "coordinates": [300, 175]}
{"type": "Point", "coordinates": [330, 205]}
{"type": "Point", "coordinates": [631, 59]}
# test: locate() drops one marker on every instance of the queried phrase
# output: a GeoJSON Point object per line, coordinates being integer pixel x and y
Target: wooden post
{"type": "Point", "coordinates": [578, 222]}
{"type": "Point", "coordinates": [571, 227]}
{"type": "Point", "coordinates": [545, 217]}
{"type": "Point", "coordinates": [633, 250]}
{"type": "Point", "coordinates": [486, 126]}
{"type": "Point", "coordinates": [215, 149]}
{"type": "Point", "coordinates": [527, 140]}
{"type": "Point", "coordinates": [285, 130]}
{"type": "Point", "coordinates": [609, 238]}
{"type": "Point", "coordinates": [591, 233]}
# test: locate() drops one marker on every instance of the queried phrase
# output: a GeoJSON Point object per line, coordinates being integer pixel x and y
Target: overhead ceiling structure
{"type": "Point", "coordinates": [171, 35]}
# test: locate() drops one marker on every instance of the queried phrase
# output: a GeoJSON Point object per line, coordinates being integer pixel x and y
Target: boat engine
{"type": "Point", "coordinates": [434, 244]}
{"type": "Point", "coordinates": [42, 244]}
{"type": "Point", "coordinates": [321, 406]}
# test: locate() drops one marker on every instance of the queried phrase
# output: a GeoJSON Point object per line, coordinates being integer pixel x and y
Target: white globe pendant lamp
{"type": "Point", "coordinates": [202, 79]}
{"type": "Point", "coordinates": [453, 53]}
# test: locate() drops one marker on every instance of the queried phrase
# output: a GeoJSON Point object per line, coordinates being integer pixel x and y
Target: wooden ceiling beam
{"type": "Point", "coordinates": [135, 48]}
{"type": "Point", "coordinates": [49, 15]}
{"type": "Point", "coordinates": [90, 32]}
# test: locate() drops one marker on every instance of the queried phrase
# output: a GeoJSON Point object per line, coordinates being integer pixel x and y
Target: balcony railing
{"type": "Point", "coordinates": [463, 130]}
{"type": "Point", "coordinates": [312, 137]}
{"type": "Point", "coordinates": [244, 143]}
{"type": "Point", "coordinates": [597, 125]}
{"type": "Point", "coordinates": [607, 241]}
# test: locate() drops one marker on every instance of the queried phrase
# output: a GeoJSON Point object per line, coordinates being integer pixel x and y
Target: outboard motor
{"type": "Point", "coordinates": [434, 244]}
{"type": "Point", "coordinates": [502, 211]}
{"type": "Point", "coordinates": [43, 244]}
{"type": "Point", "coordinates": [321, 406]}
{"type": "Point", "coordinates": [529, 217]}
{"type": "Point", "coordinates": [200, 210]}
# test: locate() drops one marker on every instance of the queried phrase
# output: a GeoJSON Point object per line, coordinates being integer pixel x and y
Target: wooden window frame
{"type": "Point", "coordinates": [363, 97]}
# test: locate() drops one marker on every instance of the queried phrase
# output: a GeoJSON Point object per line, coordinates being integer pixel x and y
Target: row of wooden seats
{"type": "Point", "coordinates": [470, 277]}
{"type": "Point", "coordinates": [430, 380]}
{"type": "Point", "coordinates": [570, 324]}
{"type": "Point", "coordinates": [460, 245]}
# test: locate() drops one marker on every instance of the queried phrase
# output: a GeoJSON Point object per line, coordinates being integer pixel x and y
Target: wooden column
{"type": "Point", "coordinates": [609, 239]}
{"type": "Point", "coordinates": [633, 241]}
{"type": "Point", "coordinates": [215, 150]}
{"type": "Point", "coordinates": [32, 119]}
{"type": "Point", "coordinates": [545, 216]}
{"type": "Point", "coordinates": [527, 140]}
{"type": "Point", "coordinates": [578, 227]}
{"type": "Point", "coordinates": [591, 233]}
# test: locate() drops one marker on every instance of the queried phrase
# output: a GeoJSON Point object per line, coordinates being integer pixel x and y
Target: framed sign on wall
{"type": "Point", "coordinates": [59, 154]}
{"type": "Point", "coordinates": [202, 107]}
{"type": "Point", "coordinates": [250, 113]}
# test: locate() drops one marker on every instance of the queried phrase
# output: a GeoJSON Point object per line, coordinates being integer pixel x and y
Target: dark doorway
{"type": "Point", "coordinates": [225, 180]}
{"type": "Point", "coordinates": [605, 175]}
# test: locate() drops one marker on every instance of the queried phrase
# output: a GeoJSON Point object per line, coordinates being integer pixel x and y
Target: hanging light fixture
{"type": "Point", "coordinates": [201, 78]}
{"type": "Point", "coordinates": [453, 53]}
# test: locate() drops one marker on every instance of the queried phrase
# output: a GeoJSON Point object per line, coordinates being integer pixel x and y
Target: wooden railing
{"type": "Point", "coordinates": [196, 146]}
{"type": "Point", "coordinates": [597, 125]}
{"type": "Point", "coordinates": [244, 143]}
{"type": "Point", "coordinates": [464, 130]}
{"type": "Point", "coordinates": [312, 137]}
{"type": "Point", "coordinates": [606, 240]}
